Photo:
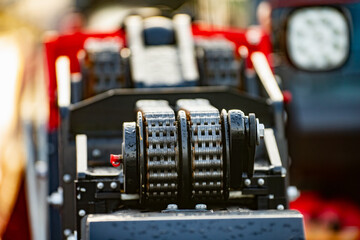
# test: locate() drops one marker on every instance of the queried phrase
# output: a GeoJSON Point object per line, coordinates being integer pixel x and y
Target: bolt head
{"type": "Point", "coordinates": [261, 181]}
{"type": "Point", "coordinates": [200, 206]}
{"type": "Point", "coordinates": [247, 182]}
{"type": "Point", "coordinates": [100, 185]}
{"type": "Point", "coordinates": [293, 193]}
{"type": "Point", "coordinates": [67, 232]}
{"type": "Point", "coordinates": [113, 185]}
{"type": "Point", "coordinates": [96, 153]}
{"type": "Point", "coordinates": [66, 178]}
{"type": "Point", "coordinates": [172, 207]}
{"type": "Point", "coordinates": [82, 212]}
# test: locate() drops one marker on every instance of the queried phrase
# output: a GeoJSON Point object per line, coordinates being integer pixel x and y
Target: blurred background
{"type": "Point", "coordinates": [315, 57]}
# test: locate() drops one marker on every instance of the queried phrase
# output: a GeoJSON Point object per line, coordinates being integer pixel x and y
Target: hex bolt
{"type": "Point", "coordinates": [261, 181]}
{"type": "Point", "coordinates": [293, 193]}
{"type": "Point", "coordinates": [67, 232]}
{"type": "Point", "coordinates": [100, 185]}
{"type": "Point", "coordinates": [66, 178]}
{"type": "Point", "coordinates": [82, 213]}
{"type": "Point", "coordinates": [113, 185]}
{"type": "Point", "coordinates": [200, 206]}
{"type": "Point", "coordinates": [172, 207]}
{"type": "Point", "coordinates": [280, 207]}
{"type": "Point", "coordinates": [247, 182]}
{"type": "Point", "coordinates": [96, 153]}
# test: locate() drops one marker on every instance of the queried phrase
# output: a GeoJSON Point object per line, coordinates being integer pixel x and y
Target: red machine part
{"type": "Point", "coordinates": [315, 207]}
{"type": "Point", "coordinates": [115, 160]}
{"type": "Point", "coordinates": [65, 45]}
{"type": "Point", "coordinates": [287, 97]}
{"type": "Point", "coordinates": [253, 39]}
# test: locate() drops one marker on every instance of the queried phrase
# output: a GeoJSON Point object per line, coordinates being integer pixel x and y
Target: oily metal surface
{"type": "Point", "coordinates": [238, 147]}
{"type": "Point", "coordinates": [185, 176]}
{"type": "Point", "coordinates": [161, 155]}
{"type": "Point", "coordinates": [234, 224]}
{"type": "Point", "coordinates": [206, 149]}
{"type": "Point", "coordinates": [131, 180]}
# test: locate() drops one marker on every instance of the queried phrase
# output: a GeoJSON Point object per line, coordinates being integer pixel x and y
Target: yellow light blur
{"type": "Point", "coordinates": [9, 73]}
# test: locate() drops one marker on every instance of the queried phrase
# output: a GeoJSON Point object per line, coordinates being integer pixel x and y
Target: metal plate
{"type": "Point", "coordinates": [237, 149]}
{"type": "Point", "coordinates": [233, 224]}
{"type": "Point", "coordinates": [129, 150]}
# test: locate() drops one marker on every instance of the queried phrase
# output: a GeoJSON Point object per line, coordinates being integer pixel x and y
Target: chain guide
{"type": "Point", "coordinates": [206, 148]}
{"type": "Point", "coordinates": [161, 155]}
